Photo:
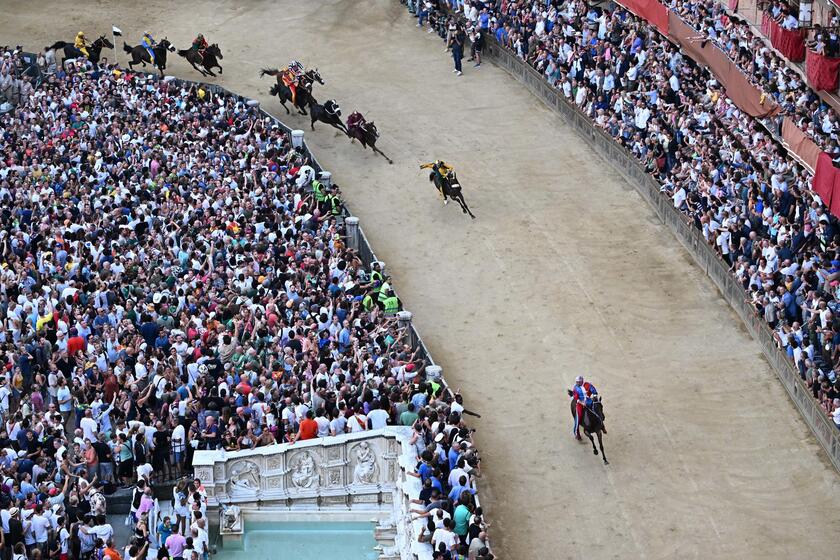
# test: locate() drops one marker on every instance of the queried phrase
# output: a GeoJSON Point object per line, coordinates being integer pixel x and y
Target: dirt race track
{"type": "Point", "coordinates": [565, 271]}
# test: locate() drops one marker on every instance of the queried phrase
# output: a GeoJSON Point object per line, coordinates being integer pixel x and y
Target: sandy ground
{"type": "Point", "coordinates": [565, 271]}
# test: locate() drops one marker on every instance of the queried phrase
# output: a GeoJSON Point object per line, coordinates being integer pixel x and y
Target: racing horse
{"type": "Point", "coordinates": [139, 54]}
{"type": "Point", "coordinates": [367, 134]}
{"type": "Point", "coordinates": [304, 88]}
{"type": "Point", "coordinates": [449, 187]}
{"type": "Point", "coordinates": [94, 50]}
{"type": "Point", "coordinates": [208, 59]}
{"type": "Point", "coordinates": [328, 113]}
{"type": "Point", "coordinates": [592, 422]}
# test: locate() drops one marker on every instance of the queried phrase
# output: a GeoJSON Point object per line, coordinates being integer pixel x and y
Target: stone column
{"type": "Point", "coordinates": [404, 321]}
{"type": "Point", "coordinates": [352, 225]}
{"type": "Point", "coordinates": [326, 178]}
{"type": "Point", "coordinates": [434, 372]}
{"type": "Point", "coordinates": [297, 138]}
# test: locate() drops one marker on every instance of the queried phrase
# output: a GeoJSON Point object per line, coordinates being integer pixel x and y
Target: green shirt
{"type": "Point", "coordinates": [462, 520]}
{"type": "Point", "coordinates": [408, 418]}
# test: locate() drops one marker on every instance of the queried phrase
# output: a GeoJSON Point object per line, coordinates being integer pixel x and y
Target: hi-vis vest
{"type": "Point", "coordinates": [383, 291]}
{"type": "Point", "coordinates": [392, 305]}
{"type": "Point", "coordinates": [319, 191]}
{"type": "Point", "coordinates": [374, 276]}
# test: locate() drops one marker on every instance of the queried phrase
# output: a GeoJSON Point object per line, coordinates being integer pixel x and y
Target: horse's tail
{"type": "Point", "coordinates": [432, 177]}
{"type": "Point", "coordinates": [273, 90]}
{"type": "Point", "coordinates": [126, 48]}
{"type": "Point", "coordinates": [57, 45]}
{"type": "Point", "coordinates": [269, 71]}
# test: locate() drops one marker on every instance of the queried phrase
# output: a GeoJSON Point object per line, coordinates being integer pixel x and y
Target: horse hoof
{"type": "Point", "coordinates": [595, 451]}
{"type": "Point", "coordinates": [606, 462]}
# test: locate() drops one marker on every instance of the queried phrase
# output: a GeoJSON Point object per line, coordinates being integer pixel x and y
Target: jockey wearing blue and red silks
{"type": "Point", "coordinates": [582, 393]}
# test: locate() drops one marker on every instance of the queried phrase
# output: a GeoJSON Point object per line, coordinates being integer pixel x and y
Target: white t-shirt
{"type": "Point", "coordinates": [378, 418]}
{"type": "Point", "coordinates": [145, 470]}
{"type": "Point", "coordinates": [444, 536]}
{"type": "Point", "coordinates": [178, 436]}
{"type": "Point", "coordinates": [357, 423]}
{"type": "Point", "coordinates": [40, 528]}
{"type": "Point", "coordinates": [89, 427]}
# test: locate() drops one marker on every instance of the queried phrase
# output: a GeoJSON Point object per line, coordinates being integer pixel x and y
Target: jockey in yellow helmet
{"type": "Point", "coordinates": [440, 167]}
{"type": "Point", "coordinates": [149, 44]}
{"type": "Point", "coordinates": [82, 44]}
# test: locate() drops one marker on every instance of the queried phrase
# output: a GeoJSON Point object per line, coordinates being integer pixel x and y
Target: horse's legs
{"type": "Point", "coordinates": [283, 103]}
{"type": "Point", "coordinates": [197, 68]}
{"type": "Point", "coordinates": [591, 439]}
{"type": "Point", "coordinates": [380, 152]}
{"type": "Point", "coordinates": [601, 445]}
{"type": "Point", "coordinates": [464, 206]}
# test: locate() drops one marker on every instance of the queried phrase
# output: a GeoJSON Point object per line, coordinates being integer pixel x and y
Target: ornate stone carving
{"type": "Point", "coordinates": [243, 478]}
{"type": "Point", "coordinates": [304, 471]}
{"type": "Point", "coordinates": [334, 453]}
{"type": "Point", "coordinates": [231, 520]}
{"type": "Point", "coordinates": [274, 462]}
{"type": "Point", "coordinates": [366, 469]}
{"type": "Point", "coordinates": [275, 482]}
{"type": "Point", "coordinates": [334, 477]}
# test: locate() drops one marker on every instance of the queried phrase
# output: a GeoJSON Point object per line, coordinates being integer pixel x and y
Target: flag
{"type": "Point", "coordinates": [116, 31]}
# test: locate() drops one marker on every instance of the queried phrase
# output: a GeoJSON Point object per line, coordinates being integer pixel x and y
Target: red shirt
{"type": "Point", "coordinates": [308, 428]}
{"type": "Point", "coordinates": [74, 344]}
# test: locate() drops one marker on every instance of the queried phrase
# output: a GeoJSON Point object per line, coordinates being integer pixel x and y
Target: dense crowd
{"type": "Point", "coordinates": [721, 168]}
{"type": "Point", "coordinates": [765, 67]}
{"type": "Point", "coordinates": [174, 275]}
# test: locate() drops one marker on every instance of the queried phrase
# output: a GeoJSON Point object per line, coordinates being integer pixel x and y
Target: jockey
{"type": "Point", "coordinates": [582, 393]}
{"type": "Point", "coordinates": [148, 42]}
{"type": "Point", "coordinates": [440, 168]}
{"type": "Point", "coordinates": [290, 75]}
{"type": "Point", "coordinates": [199, 44]}
{"type": "Point", "coordinates": [82, 44]}
{"type": "Point", "coordinates": [355, 120]}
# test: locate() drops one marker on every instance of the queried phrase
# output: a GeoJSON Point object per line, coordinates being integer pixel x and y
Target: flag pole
{"type": "Point", "coordinates": [114, 30]}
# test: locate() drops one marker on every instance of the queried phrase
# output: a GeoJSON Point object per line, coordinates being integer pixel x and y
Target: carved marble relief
{"type": "Point", "coordinates": [365, 469]}
{"type": "Point", "coordinates": [304, 471]}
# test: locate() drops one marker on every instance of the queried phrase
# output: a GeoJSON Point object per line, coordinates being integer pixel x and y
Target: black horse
{"type": "Point", "coordinates": [329, 113]}
{"type": "Point", "coordinates": [449, 187]}
{"type": "Point", "coordinates": [303, 97]}
{"type": "Point", "coordinates": [209, 59]}
{"type": "Point", "coordinates": [367, 134]}
{"type": "Point", "coordinates": [139, 54]}
{"type": "Point", "coordinates": [94, 50]}
{"type": "Point", "coordinates": [592, 422]}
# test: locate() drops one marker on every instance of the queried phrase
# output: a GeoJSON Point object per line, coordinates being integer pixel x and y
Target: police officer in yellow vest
{"type": "Point", "coordinates": [391, 302]}
{"type": "Point", "coordinates": [368, 302]}
{"type": "Point", "coordinates": [376, 278]}
{"type": "Point", "coordinates": [332, 203]}
{"type": "Point", "coordinates": [318, 190]}
{"type": "Point", "coordinates": [383, 291]}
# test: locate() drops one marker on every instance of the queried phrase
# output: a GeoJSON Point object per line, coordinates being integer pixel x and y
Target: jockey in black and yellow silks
{"type": "Point", "coordinates": [441, 169]}
{"type": "Point", "coordinates": [82, 44]}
